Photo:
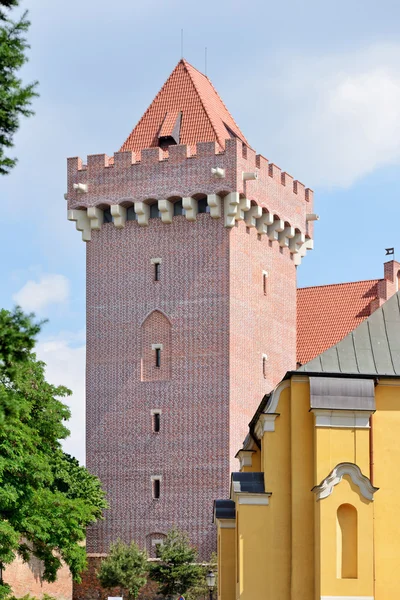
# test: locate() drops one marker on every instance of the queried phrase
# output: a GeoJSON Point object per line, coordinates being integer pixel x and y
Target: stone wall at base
{"type": "Point", "coordinates": [27, 578]}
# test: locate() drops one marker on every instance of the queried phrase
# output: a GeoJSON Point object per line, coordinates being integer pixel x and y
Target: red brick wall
{"type": "Point", "coordinates": [26, 578]}
{"type": "Point", "coordinates": [156, 329]}
{"type": "Point", "coordinates": [259, 325]}
{"type": "Point", "coordinates": [221, 323]}
{"type": "Point", "coordinates": [191, 451]}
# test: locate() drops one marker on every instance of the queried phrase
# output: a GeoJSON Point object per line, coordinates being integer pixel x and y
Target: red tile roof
{"type": "Point", "coordinates": [327, 313]}
{"type": "Point", "coordinates": [205, 117]}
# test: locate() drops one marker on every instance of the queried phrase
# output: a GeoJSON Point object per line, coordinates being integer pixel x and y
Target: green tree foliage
{"type": "Point", "coordinates": [15, 98]}
{"type": "Point", "coordinates": [46, 498]}
{"type": "Point", "coordinates": [125, 567]}
{"type": "Point", "coordinates": [177, 570]}
{"type": "Point", "coordinates": [200, 590]}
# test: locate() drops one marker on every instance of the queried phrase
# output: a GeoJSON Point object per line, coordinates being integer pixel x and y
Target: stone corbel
{"type": "Point", "coordinates": [191, 208]}
{"type": "Point", "coordinates": [214, 202]}
{"type": "Point", "coordinates": [231, 206]}
{"type": "Point", "coordinates": [287, 234]}
{"type": "Point", "coordinates": [166, 209]}
{"type": "Point", "coordinates": [252, 215]}
{"type": "Point", "coordinates": [81, 188]}
{"type": "Point", "coordinates": [263, 222]}
{"type": "Point", "coordinates": [308, 245]}
{"type": "Point", "coordinates": [142, 211]}
{"type": "Point", "coordinates": [244, 206]}
{"type": "Point", "coordinates": [273, 230]}
{"type": "Point", "coordinates": [245, 458]}
{"type": "Point", "coordinates": [118, 213]}
{"type": "Point", "coordinates": [265, 423]}
{"type": "Point", "coordinates": [296, 242]}
{"type": "Point", "coordinates": [82, 223]}
{"type": "Point", "coordinates": [218, 172]}
{"type": "Point", "coordinates": [95, 216]}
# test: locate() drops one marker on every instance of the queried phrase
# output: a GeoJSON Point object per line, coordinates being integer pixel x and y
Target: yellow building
{"type": "Point", "coordinates": [313, 513]}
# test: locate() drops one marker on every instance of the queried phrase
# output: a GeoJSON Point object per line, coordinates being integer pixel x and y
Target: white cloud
{"type": "Point", "coordinates": [334, 118]}
{"type": "Point", "coordinates": [66, 366]}
{"type": "Point", "coordinates": [37, 295]}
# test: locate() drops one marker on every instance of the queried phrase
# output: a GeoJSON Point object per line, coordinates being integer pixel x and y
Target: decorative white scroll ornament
{"type": "Point", "coordinates": [325, 488]}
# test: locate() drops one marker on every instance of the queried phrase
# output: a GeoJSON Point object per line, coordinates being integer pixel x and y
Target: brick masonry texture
{"type": "Point", "coordinates": [26, 578]}
{"type": "Point", "coordinates": [191, 450]}
{"type": "Point", "coordinates": [210, 313]}
{"type": "Point", "coordinates": [182, 175]}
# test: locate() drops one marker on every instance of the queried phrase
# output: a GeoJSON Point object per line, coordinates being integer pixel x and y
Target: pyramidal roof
{"type": "Point", "coordinates": [187, 109]}
{"type": "Point", "coordinates": [372, 348]}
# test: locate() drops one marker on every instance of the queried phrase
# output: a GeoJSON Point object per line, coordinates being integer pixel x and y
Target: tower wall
{"type": "Point", "coordinates": [262, 325]}
{"type": "Point", "coordinates": [215, 323]}
{"type": "Point", "coordinates": [190, 452]}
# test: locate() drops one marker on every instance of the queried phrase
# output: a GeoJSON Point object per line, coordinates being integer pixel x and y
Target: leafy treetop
{"type": "Point", "coordinates": [125, 567]}
{"type": "Point", "coordinates": [177, 569]}
{"type": "Point", "coordinates": [46, 498]}
{"type": "Point", "coordinates": [15, 98]}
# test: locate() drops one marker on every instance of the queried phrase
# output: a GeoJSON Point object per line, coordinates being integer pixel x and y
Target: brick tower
{"type": "Point", "coordinates": [192, 246]}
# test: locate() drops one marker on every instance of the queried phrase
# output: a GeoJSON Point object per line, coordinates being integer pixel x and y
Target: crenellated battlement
{"type": "Point", "coordinates": [237, 183]}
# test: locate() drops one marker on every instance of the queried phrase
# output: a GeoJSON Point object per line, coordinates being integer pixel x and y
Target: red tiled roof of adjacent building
{"type": "Point", "coordinates": [327, 313]}
{"type": "Point", "coordinates": [205, 117]}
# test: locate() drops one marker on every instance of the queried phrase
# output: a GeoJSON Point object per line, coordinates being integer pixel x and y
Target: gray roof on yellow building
{"type": "Point", "coordinates": [372, 348]}
{"type": "Point", "coordinates": [224, 509]}
{"type": "Point", "coordinates": [248, 482]}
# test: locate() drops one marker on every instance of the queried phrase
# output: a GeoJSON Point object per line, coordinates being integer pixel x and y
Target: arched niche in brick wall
{"type": "Point", "coordinates": [152, 541]}
{"type": "Point", "coordinates": [156, 347]}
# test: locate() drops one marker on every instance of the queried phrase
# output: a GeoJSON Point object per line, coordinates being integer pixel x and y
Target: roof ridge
{"type": "Point", "coordinates": [310, 287]}
{"type": "Point", "coordinates": [186, 64]}
{"type": "Point", "coordinates": [151, 103]}
{"type": "Point", "coordinates": [219, 98]}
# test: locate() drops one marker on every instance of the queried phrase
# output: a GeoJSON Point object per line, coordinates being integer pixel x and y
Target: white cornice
{"type": "Point", "coordinates": [245, 458]}
{"type": "Point", "coordinates": [300, 378]}
{"type": "Point", "coordinates": [226, 523]}
{"type": "Point", "coordinates": [266, 422]}
{"type": "Point", "coordinates": [342, 419]}
{"type": "Point", "coordinates": [325, 488]}
{"type": "Point", "coordinates": [255, 499]}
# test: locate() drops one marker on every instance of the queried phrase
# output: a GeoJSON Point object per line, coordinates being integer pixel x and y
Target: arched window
{"type": "Point", "coordinates": [398, 281]}
{"type": "Point", "coordinates": [347, 542]}
{"type": "Point", "coordinates": [156, 347]}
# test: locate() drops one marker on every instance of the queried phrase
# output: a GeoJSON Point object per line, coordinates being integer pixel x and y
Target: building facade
{"type": "Point", "coordinates": [192, 246]}
{"type": "Point", "coordinates": [312, 512]}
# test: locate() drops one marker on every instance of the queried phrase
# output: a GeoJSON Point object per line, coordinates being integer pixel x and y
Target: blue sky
{"type": "Point", "coordinates": [314, 86]}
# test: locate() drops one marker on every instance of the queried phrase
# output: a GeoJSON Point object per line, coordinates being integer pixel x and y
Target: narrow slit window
{"type": "Point", "coordinates": [156, 422]}
{"type": "Point", "coordinates": [264, 365]}
{"type": "Point", "coordinates": [265, 283]}
{"type": "Point", "coordinates": [156, 262]}
{"type": "Point", "coordinates": [156, 488]}
{"type": "Point", "coordinates": [156, 271]}
{"type": "Point", "coordinates": [158, 357]}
